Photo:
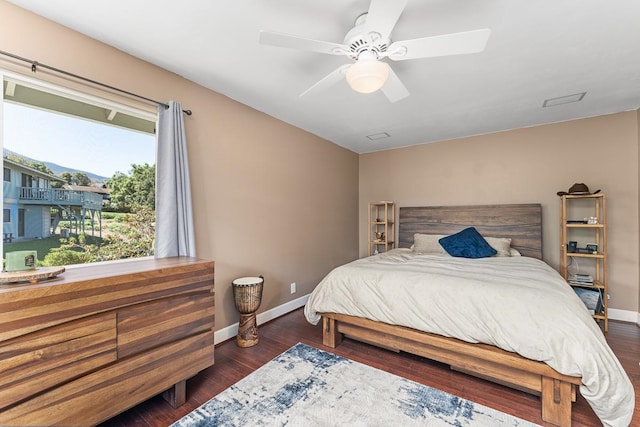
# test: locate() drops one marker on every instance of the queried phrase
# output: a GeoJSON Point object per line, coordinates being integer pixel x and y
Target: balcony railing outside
{"type": "Point", "coordinates": [58, 196]}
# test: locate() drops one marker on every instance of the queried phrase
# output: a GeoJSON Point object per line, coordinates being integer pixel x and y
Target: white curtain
{"type": "Point", "coordinates": [175, 234]}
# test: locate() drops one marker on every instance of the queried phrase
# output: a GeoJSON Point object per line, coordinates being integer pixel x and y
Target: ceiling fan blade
{"type": "Point", "coordinates": [447, 44]}
{"type": "Point", "coordinates": [393, 89]}
{"type": "Point", "coordinates": [295, 42]}
{"type": "Point", "coordinates": [383, 15]}
{"type": "Point", "coordinates": [332, 78]}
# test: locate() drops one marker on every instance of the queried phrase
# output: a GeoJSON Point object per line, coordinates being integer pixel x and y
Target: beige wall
{"type": "Point", "coordinates": [525, 166]}
{"type": "Point", "coordinates": [274, 200]}
{"type": "Point", "coordinates": [269, 198]}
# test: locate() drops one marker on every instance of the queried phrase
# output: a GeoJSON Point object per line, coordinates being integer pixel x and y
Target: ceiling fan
{"type": "Point", "coordinates": [368, 42]}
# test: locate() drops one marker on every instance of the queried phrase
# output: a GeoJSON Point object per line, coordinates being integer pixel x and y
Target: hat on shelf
{"type": "Point", "coordinates": [577, 189]}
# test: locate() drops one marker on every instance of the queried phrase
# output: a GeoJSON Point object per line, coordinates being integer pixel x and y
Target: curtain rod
{"type": "Point", "coordinates": [36, 64]}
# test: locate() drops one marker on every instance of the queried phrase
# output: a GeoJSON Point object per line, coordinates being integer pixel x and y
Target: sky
{"type": "Point", "coordinates": [75, 143]}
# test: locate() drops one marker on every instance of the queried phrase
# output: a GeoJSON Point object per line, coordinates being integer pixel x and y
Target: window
{"type": "Point", "coordinates": [6, 215]}
{"type": "Point", "coordinates": [27, 180]}
{"type": "Point", "coordinates": [85, 167]}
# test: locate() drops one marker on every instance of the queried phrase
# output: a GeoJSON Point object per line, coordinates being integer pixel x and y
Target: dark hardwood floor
{"type": "Point", "coordinates": [233, 363]}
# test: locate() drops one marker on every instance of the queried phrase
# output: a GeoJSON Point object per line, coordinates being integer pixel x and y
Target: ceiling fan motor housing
{"type": "Point", "coordinates": [358, 40]}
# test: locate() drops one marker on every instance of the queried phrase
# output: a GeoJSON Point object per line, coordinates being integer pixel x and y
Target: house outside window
{"type": "Point", "coordinates": [64, 180]}
{"type": "Point", "coordinates": [6, 215]}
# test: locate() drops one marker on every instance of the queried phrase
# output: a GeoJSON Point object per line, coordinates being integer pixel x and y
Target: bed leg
{"type": "Point", "coordinates": [330, 335]}
{"type": "Point", "coordinates": [556, 402]}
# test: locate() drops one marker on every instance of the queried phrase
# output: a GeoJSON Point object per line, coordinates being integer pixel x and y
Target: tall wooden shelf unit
{"type": "Point", "coordinates": [381, 227]}
{"type": "Point", "coordinates": [575, 229]}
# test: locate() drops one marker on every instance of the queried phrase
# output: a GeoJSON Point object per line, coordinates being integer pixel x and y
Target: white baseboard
{"type": "Point", "coordinates": [231, 331]}
{"type": "Point", "coordinates": [624, 315]}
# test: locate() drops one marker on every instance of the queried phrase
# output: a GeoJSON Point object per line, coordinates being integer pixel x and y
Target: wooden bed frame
{"type": "Point", "coordinates": [522, 223]}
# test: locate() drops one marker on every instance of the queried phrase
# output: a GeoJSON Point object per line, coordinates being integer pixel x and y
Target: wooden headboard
{"type": "Point", "coordinates": [521, 222]}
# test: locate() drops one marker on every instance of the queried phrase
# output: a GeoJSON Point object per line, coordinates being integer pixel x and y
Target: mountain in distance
{"type": "Point", "coordinates": [57, 169]}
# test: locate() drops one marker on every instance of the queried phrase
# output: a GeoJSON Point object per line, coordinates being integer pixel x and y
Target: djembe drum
{"type": "Point", "coordinates": [247, 293]}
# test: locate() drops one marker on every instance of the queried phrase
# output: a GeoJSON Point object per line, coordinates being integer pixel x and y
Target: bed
{"type": "Point", "coordinates": [524, 328]}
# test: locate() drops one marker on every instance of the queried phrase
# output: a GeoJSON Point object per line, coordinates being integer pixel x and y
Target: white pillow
{"type": "Point", "coordinates": [514, 252]}
{"type": "Point", "coordinates": [428, 244]}
{"type": "Point", "coordinates": [500, 244]}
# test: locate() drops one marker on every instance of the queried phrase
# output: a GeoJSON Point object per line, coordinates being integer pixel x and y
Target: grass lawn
{"type": "Point", "coordinates": [41, 245]}
{"type": "Point", "coordinates": [112, 226]}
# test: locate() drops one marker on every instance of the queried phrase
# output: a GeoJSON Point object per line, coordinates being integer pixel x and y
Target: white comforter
{"type": "Point", "coordinates": [519, 304]}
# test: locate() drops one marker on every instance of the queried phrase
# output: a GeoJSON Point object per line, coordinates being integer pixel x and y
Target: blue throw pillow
{"type": "Point", "coordinates": [467, 243]}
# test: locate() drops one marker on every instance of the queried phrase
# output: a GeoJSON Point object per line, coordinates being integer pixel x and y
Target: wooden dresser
{"type": "Point", "coordinates": [99, 339]}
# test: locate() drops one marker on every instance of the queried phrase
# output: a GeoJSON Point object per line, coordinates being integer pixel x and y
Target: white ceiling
{"type": "Point", "coordinates": [537, 50]}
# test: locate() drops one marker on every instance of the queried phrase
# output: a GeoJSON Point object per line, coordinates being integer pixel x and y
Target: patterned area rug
{"type": "Point", "coordinates": [305, 386]}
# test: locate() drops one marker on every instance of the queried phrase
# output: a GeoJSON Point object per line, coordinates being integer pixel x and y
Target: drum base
{"type": "Point", "coordinates": [247, 331]}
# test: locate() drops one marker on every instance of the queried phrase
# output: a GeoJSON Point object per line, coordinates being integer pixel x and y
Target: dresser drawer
{"type": "Point", "coordinates": [38, 361]}
{"type": "Point", "coordinates": [146, 326]}
{"type": "Point", "coordinates": [99, 395]}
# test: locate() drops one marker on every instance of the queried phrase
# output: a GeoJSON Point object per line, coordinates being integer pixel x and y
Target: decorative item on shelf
{"type": "Point", "coordinates": [573, 268]}
{"type": "Point", "coordinates": [21, 261]}
{"type": "Point", "coordinates": [380, 236]}
{"type": "Point", "coordinates": [30, 276]}
{"type": "Point", "coordinates": [581, 279]}
{"type": "Point", "coordinates": [592, 299]}
{"type": "Point", "coordinates": [577, 189]}
{"type": "Point", "coordinates": [591, 220]}
{"type": "Point", "coordinates": [247, 293]}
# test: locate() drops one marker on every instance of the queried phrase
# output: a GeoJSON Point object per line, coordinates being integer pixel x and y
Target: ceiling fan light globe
{"type": "Point", "coordinates": [367, 76]}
